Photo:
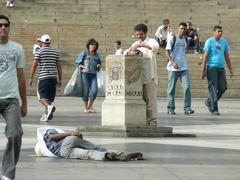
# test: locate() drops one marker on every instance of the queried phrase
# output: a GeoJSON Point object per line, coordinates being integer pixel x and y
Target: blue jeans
{"type": "Point", "coordinates": [172, 81]}
{"type": "Point", "coordinates": [217, 85]}
{"type": "Point", "coordinates": [194, 43]}
{"type": "Point", "coordinates": [89, 86]}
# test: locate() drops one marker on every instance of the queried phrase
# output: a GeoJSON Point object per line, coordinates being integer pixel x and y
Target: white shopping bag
{"type": "Point", "coordinates": [101, 80]}
{"type": "Point", "coordinates": [74, 86]}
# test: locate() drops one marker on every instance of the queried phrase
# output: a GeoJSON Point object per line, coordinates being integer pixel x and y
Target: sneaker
{"type": "Point", "coordinates": [7, 4]}
{"type": "Point", "coordinates": [171, 112]}
{"type": "Point", "coordinates": [135, 156]}
{"type": "Point", "coordinates": [215, 113]}
{"type": "Point", "coordinates": [11, 4]}
{"type": "Point", "coordinates": [44, 118]}
{"type": "Point", "coordinates": [5, 178]}
{"type": "Point", "coordinates": [190, 111]}
{"type": "Point", "coordinates": [50, 110]}
{"type": "Point", "coordinates": [196, 52]}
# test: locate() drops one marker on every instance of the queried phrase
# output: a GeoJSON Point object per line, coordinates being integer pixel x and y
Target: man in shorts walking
{"type": "Point", "coordinates": [47, 60]}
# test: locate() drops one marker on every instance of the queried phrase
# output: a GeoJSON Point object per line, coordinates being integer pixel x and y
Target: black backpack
{"type": "Point", "coordinates": [174, 41]}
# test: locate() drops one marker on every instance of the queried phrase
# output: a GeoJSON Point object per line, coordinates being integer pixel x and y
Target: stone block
{"type": "Point", "coordinates": [124, 113]}
{"type": "Point", "coordinates": [123, 105]}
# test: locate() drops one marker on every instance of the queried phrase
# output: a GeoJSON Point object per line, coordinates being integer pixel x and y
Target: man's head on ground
{"type": "Point", "coordinates": [4, 28]}
{"type": "Point", "coordinates": [217, 31]}
{"type": "Point", "coordinates": [46, 40]}
{"type": "Point", "coordinates": [166, 23]}
{"type": "Point", "coordinates": [92, 45]}
{"type": "Point", "coordinates": [117, 44]}
{"type": "Point", "coordinates": [182, 28]}
{"type": "Point", "coordinates": [141, 31]}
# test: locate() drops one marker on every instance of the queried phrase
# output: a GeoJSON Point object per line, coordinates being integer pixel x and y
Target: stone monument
{"type": "Point", "coordinates": [123, 105]}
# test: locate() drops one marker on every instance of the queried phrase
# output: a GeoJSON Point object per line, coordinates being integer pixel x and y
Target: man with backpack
{"type": "Point", "coordinates": [177, 68]}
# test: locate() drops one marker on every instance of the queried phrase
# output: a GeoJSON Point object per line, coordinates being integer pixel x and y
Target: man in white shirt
{"type": "Point", "coordinates": [163, 32]}
{"type": "Point", "coordinates": [148, 48]}
{"type": "Point", "coordinates": [118, 49]}
{"type": "Point", "coordinates": [37, 46]}
{"type": "Point", "coordinates": [177, 68]}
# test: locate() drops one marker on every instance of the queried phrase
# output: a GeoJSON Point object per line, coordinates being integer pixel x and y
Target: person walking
{"type": "Point", "coordinates": [89, 62]}
{"type": "Point", "coordinates": [216, 52]}
{"type": "Point", "coordinates": [47, 59]}
{"type": "Point", "coordinates": [178, 69]}
{"type": "Point", "coordinates": [148, 48]}
{"type": "Point", "coordinates": [12, 87]}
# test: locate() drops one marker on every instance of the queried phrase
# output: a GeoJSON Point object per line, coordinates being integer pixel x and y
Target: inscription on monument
{"type": "Point", "coordinates": [121, 81]}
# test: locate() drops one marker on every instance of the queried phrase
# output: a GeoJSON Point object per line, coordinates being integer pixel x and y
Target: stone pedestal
{"type": "Point", "coordinates": [123, 105]}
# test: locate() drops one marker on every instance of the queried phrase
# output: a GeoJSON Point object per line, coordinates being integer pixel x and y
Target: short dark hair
{"type": "Point", "coordinates": [182, 24]}
{"type": "Point", "coordinates": [217, 27]}
{"type": "Point", "coordinates": [141, 27]}
{"type": "Point", "coordinates": [92, 41]}
{"type": "Point", "coordinates": [166, 21]}
{"type": "Point", "coordinates": [5, 17]}
{"type": "Point", "coordinates": [118, 42]}
{"type": "Point", "coordinates": [188, 22]}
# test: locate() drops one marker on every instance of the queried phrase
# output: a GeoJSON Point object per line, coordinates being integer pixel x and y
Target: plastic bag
{"type": "Point", "coordinates": [74, 86]}
{"type": "Point", "coordinates": [101, 80]}
{"type": "Point", "coordinates": [41, 147]}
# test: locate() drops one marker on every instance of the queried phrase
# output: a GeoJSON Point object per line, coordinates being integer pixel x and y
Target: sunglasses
{"type": "Point", "coordinates": [6, 25]}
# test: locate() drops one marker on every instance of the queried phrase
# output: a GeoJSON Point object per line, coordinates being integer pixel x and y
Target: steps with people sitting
{"type": "Point", "coordinates": [71, 23]}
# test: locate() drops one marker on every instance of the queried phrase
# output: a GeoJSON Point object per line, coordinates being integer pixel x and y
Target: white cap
{"type": "Point", "coordinates": [45, 39]}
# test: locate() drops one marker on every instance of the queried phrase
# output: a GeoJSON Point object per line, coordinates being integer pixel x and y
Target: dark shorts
{"type": "Point", "coordinates": [47, 89]}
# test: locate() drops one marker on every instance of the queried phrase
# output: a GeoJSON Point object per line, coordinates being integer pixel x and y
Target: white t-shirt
{"type": "Point", "coordinates": [36, 47]}
{"type": "Point", "coordinates": [119, 51]}
{"type": "Point", "coordinates": [150, 65]}
{"type": "Point", "coordinates": [162, 33]}
{"type": "Point", "coordinates": [178, 54]}
{"type": "Point", "coordinates": [11, 58]}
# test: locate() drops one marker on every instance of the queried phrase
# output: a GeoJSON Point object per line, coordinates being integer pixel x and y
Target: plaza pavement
{"type": "Point", "coordinates": [213, 155]}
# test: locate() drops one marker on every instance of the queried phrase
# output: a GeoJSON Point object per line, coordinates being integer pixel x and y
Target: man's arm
{"type": "Point", "coordinates": [59, 70]}
{"type": "Point", "coordinates": [22, 91]}
{"type": "Point", "coordinates": [157, 34]}
{"type": "Point", "coordinates": [228, 62]}
{"type": "Point", "coordinates": [174, 64]}
{"type": "Point", "coordinates": [139, 45]}
{"type": "Point", "coordinates": [33, 69]}
{"type": "Point", "coordinates": [205, 59]}
{"type": "Point", "coordinates": [59, 136]}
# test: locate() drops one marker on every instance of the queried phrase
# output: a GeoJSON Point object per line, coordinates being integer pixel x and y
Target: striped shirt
{"type": "Point", "coordinates": [47, 58]}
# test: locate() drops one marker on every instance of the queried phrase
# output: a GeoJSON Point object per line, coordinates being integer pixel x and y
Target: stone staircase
{"type": "Point", "coordinates": [71, 23]}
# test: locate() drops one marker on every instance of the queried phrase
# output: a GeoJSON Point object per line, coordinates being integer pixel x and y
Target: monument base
{"type": "Point", "coordinates": [124, 113]}
{"type": "Point", "coordinates": [126, 131]}
{"type": "Point", "coordinates": [98, 131]}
